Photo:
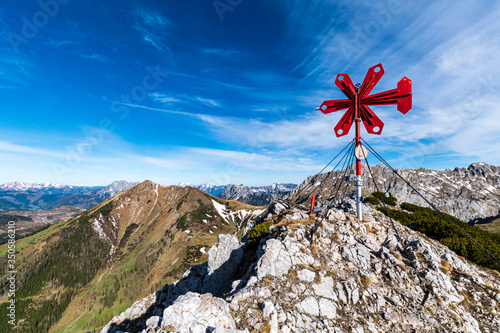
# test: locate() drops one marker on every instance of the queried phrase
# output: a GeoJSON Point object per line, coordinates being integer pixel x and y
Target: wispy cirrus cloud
{"type": "Point", "coordinates": [7, 146]}
{"type": "Point", "coordinates": [220, 52]}
{"type": "Point", "coordinates": [178, 112]}
{"type": "Point", "coordinates": [207, 101]}
{"type": "Point", "coordinates": [92, 56]}
{"type": "Point", "coordinates": [184, 100]}
{"type": "Point", "coordinates": [152, 27]}
{"type": "Point", "coordinates": [163, 98]}
{"type": "Point", "coordinates": [15, 72]}
{"type": "Point", "coordinates": [60, 43]}
{"type": "Point", "coordinates": [255, 161]}
{"type": "Point", "coordinates": [153, 19]}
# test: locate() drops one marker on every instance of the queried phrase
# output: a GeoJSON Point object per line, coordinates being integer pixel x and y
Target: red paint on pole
{"type": "Point", "coordinates": [358, 130]}
{"type": "Point", "coordinates": [313, 202]}
{"type": "Point", "coordinates": [358, 143]}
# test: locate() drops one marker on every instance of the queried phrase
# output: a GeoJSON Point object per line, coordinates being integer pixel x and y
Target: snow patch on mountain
{"type": "Point", "coordinates": [97, 226]}
{"type": "Point", "coordinates": [221, 210]}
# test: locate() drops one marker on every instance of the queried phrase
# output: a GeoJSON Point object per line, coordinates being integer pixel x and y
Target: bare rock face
{"type": "Point", "coordinates": [334, 274]}
{"type": "Point", "coordinates": [223, 260]}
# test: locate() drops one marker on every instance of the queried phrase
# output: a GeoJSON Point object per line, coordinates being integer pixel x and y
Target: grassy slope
{"type": "Point", "coordinates": [493, 226]}
{"type": "Point", "coordinates": [157, 235]}
{"type": "Point", "coordinates": [44, 255]}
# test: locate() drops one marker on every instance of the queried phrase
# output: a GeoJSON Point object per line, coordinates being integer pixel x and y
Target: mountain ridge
{"type": "Point", "coordinates": [332, 274]}
{"type": "Point", "coordinates": [469, 194]}
{"type": "Point", "coordinates": [148, 234]}
{"type": "Point", "coordinates": [261, 195]}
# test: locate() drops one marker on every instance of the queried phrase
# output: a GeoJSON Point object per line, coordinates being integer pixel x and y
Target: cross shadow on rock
{"type": "Point", "coordinates": [213, 277]}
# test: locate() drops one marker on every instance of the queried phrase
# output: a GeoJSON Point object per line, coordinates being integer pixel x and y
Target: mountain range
{"type": "Point", "coordinates": [158, 258]}
{"type": "Point", "coordinates": [33, 196]}
{"type": "Point", "coordinates": [257, 196]}
{"type": "Point", "coordinates": [28, 196]}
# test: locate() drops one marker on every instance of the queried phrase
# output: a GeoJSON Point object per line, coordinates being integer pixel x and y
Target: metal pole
{"type": "Point", "coordinates": [359, 180]}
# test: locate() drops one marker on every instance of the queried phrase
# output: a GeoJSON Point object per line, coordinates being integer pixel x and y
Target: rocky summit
{"type": "Point", "coordinates": [331, 273]}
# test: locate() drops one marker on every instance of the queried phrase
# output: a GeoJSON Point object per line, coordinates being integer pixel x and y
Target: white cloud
{"type": "Point", "coordinates": [163, 98]}
{"type": "Point", "coordinates": [153, 19]}
{"type": "Point", "coordinates": [15, 148]}
{"type": "Point", "coordinates": [185, 100]}
{"type": "Point", "coordinates": [92, 56]}
{"type": "Point", "coordinates": [193, 115]}
{"type": "Point", "coordinates": [221, 52]}
{"type": "Point", "coordinates": [152, 27]}
{"type": "Point", "coordinates": [254, 161]}
{"type": "Point", "coordinates": [206, 101]}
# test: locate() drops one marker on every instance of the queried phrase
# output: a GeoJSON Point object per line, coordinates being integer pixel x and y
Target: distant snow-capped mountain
{"type": "Point", "coordinates": [258, 196]}
{"type": "Point", "coordinates": [20, 195]}
{"type": "Point", "coordinates": [115, 187]}
{"type": "Point", "coordinates": [30, 196]}
{"type": "Point", "coordinates": [22, 186]}
{"type": "Point", "coordinates": [214, 190]}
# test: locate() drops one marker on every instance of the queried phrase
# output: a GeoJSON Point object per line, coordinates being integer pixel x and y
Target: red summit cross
{"type": "Point", "coordinates": [357, 103]}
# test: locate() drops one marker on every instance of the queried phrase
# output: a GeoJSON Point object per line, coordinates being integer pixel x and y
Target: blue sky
{"type": "Point", "coordinates": [225, 91]}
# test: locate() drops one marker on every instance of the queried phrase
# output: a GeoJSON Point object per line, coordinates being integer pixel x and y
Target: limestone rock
{"type": "Point", "coordinates": [306, 275]}
{"type": "Point", "coordinates": [223, 260]}
{"type": "Point", "coordinates": [309, 305]}
{"type": "Point", "coordinates": [193, 312]}
{"type": "Point", "coordinates": [325, 288]}
{"type": "Point", "coordinates": [327, 308]}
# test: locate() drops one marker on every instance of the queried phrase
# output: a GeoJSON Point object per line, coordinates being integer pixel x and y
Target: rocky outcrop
{"type": "Point", "coordinates": [223, 261]}
{"type": "Point", "coordinates": [195, 313]}
{"type": "Point", "coordinates": [334, 274]}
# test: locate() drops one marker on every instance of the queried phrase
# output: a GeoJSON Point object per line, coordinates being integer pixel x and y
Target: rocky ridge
{"type": "Point", "coordinates": [469, 194]}
{"type": "Point", "coordinates": [329, 274]}
{"type": "Point", "coordinates": [114, 188]}
{"type": "Point", "coordinates": [257, 196]}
